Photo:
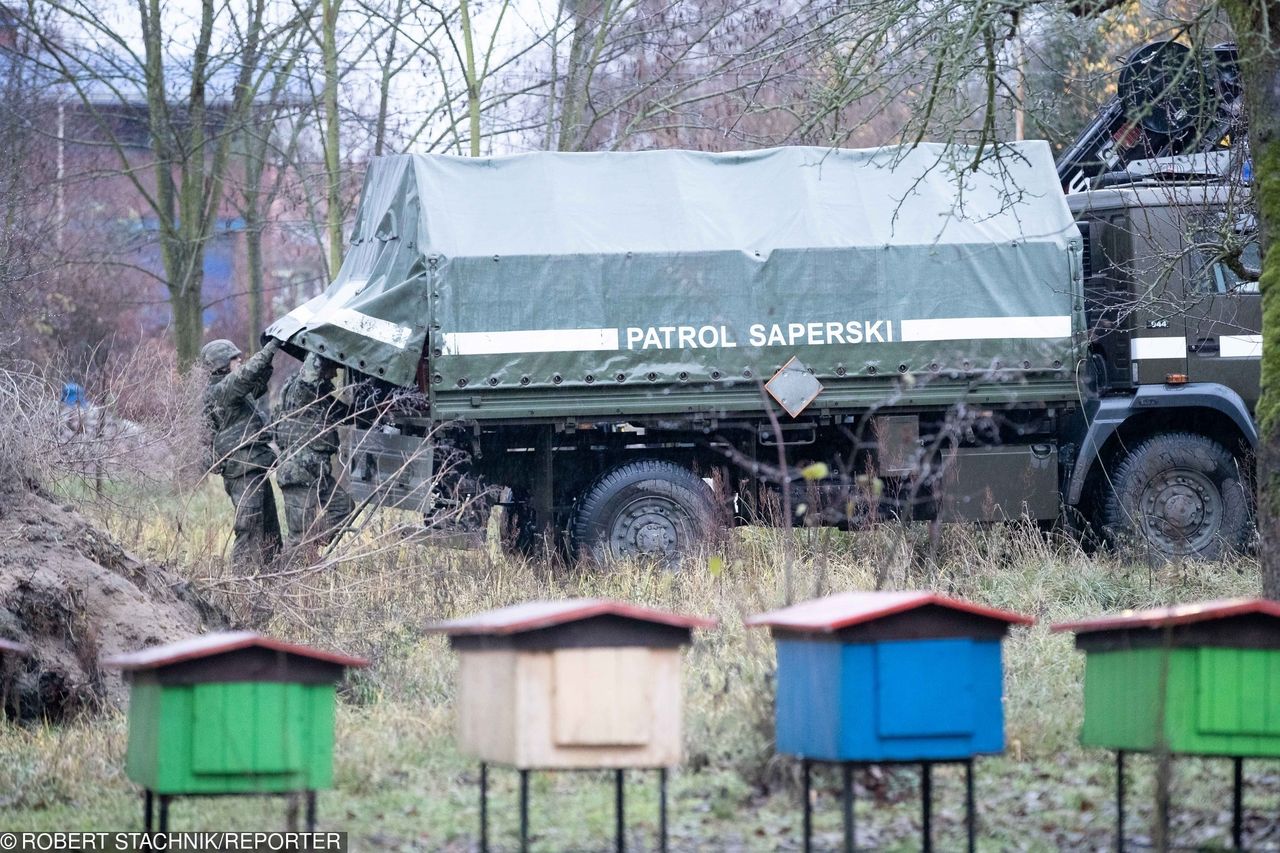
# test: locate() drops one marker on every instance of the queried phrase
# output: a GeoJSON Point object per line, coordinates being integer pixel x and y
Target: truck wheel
{"type": "Point", "coordinates": [1180, 495]}
{"type": "Point", "coordinates": [645, 508]}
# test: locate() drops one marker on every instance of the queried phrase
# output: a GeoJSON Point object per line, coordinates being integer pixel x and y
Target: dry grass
{"type": "Point", "coordinates": [132, 430]}
{"type": "Point", "coordinates": [401, 784]}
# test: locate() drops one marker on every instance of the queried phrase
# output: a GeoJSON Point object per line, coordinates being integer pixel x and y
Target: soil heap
{"type": "Point", "coordinates": [72, 594]}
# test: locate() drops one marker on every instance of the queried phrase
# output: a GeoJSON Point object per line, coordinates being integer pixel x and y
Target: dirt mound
{"type": "Point", "coordinates": [72, 594]}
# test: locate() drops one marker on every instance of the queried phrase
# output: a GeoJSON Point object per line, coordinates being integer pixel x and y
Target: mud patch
{"type": "Point", "coordinates": [71, 593]}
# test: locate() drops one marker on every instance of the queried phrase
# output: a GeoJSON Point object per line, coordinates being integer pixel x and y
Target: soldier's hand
{"type": "Point", "coordinates": [272, 346]}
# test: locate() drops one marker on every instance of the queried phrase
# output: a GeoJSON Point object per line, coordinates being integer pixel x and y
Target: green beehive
{"type": "Point", "coordinates": [231, 713]}
{"type": "Point", "coordinates": [1209, 673]}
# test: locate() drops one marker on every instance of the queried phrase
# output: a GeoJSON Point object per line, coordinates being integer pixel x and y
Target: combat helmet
{"type": "Point", "coordinates": [217, 354]}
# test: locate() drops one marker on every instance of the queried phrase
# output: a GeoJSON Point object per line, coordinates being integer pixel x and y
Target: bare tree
{"type": "Point", "coordinates": [181, 178]}
{"type": "Point", "coordinates": [24, 211]}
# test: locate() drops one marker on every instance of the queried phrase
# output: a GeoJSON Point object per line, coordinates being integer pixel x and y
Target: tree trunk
{"type": "Point", "coordinates": [472, 77]}
{"type": "Point", "coordinates": [188, 323]}
{"type": "Point", "coordinates": [255, 143]}
{"type": "Point", "coordinates": [570, 103]}
{"type": "Point", "coordinates": [384, 82]}
{"type": "Point", "coordinates": [253, 249]}
{"type": "Point", "coordinates": [332, 134]}
{"type": "Point", "coordinates": [1266, 166]}
{"type": "Point", "coordinates": [1258, 44]}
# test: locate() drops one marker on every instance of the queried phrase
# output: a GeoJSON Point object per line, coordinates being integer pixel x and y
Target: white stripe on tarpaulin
{"type": "Point", "coordinates": [1162, 347]}
{"type": "Point", "coordinates": [985, 328]}
{"type": "Point", "coordinates": [304, 312]}
{"type": "Point", "coordinates": [1240, 346]}
{"type": "Point", "coordinates": [366, 326]}
{"type": "Point", "coordinates": [531, 340]}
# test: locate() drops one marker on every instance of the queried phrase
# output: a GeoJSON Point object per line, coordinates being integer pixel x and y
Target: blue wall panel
{"type": "Point", "coordinates": [809, 700]}
{"type": "Point", "coordinates": [857, 688]}
{"type": "Point", "coordinates": [988, 688]}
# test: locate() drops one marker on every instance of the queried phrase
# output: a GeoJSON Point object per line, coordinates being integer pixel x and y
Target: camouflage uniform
{"type": "Point", "coordinates": [315, 506]}
{"type": "Point", "coordinates": [241, 449]}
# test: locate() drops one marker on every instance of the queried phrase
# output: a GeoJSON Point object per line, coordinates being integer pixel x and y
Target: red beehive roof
{"type": "Point", "coordinates": [835, 612]}
{"type": "Point", "coordinates": [14, 648]}
{"type": "Point", "coordinates": [1177, 614]}
{"type": "Point", "coordinates": [219, 643]}
{"type": "Point", "coordinates": [533, 615]}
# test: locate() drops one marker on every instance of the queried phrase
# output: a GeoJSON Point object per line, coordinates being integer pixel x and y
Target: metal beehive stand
{"type": "Point", "coordinates": [1237, 802]}
{"type": "Point", "coordinates": [849, 800]}
{"type": "Point", "coordinates": [619, 805]}
{"type": "Point", "coordinates": [150, 800]}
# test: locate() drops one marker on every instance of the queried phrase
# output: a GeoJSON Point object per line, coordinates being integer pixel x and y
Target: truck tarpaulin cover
{"type": "Point", "coordinates": [662, 268]}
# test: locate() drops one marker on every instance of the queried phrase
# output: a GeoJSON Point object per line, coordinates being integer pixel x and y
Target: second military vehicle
{"type": "Point", "coordinates": [637, 348]}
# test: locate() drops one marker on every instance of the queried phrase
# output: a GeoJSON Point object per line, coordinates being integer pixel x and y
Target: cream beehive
{"type": "Point", "coordinates": [571, 684]}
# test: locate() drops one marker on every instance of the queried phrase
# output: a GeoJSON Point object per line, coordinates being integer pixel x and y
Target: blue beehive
{"type": "Point", "coordinates": [889, 676]}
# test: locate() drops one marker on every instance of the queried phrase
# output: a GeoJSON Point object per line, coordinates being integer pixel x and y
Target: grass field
{"type": "Point", "coordinates": [400, 784]}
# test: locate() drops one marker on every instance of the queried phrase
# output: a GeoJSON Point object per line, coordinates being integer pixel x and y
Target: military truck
{"type": "Point", "coordinates": [637, 349]}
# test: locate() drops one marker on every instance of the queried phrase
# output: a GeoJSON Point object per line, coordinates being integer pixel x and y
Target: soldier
{"type": "Point", "coordinates": [241, 447]}
{"type": "Point", "coordinates": [315, 506]}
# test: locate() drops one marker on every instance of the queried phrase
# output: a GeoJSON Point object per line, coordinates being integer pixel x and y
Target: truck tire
{"type": "Point", "coordinates": [1179, 495]}
{"type": "Point", "coordinates": [650, 507]}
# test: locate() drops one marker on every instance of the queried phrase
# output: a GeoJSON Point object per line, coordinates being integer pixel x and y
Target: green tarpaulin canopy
{"type": "Point", "coordinates": [666, 263]}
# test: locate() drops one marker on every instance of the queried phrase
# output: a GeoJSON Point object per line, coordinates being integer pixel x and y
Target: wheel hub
{"type": "Point", "coordinates": [1182, 510]}
{"type": "Point", "coordinates": [650, 525]}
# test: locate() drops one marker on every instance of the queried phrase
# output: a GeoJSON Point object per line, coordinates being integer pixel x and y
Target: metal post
{"type": "Point", "coordinates": [970, 807]}
{"type": "Point", "coordinates": [926, 807]}
{"type": "Point", "coordinates": [619, 812]}
{"type": "Point", "coordinates": [1237, 804]}
{"type": "Point", "coordinates": [1119, 801]}
{"type": "Point", "coordinates": [850, 828]}
{"type": "Point", "coordinates": [543, 496]}
{"type": "Point", "coordinates": [484, 807]}
{"type": "Point", "coordinates": [311, 811]}
{"type": "Point", "coordinates": [524, 811]}
{"type": "Point", "coordinates": [662, 810]}
{"type": "Point", "coordinates": [147, 810]}
{"type": "Point", "coordinates": [292, 805]}
{"type": "Point", "coordinates": [808, 810]}
{"type": "Point", "coordinates": [164, 812]}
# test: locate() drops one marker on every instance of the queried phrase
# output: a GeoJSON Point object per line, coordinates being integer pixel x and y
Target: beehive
{"type": "Point", "coordinates": [571, 684]}
{"type": "Point", "coordinates": [231, 713]}
{"type": "Point", "coordinates": [1218, 662]}
{"type": "Point", "coordinates": [889, 676]}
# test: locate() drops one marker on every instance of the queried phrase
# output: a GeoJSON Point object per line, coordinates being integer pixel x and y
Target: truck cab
{"type": "Point", "coordinates": [1173, 365]}
{"type": "Point", "coordinates": [1161, 301]}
